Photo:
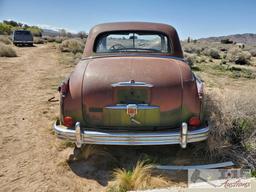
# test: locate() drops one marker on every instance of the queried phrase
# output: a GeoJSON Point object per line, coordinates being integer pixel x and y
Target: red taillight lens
{"type": "Point", "coordinates": [68, 121]}
{"type": "Point", "coordinates": [194, 121]}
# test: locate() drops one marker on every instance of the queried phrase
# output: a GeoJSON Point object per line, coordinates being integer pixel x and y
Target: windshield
{"type": "Point", "coordinates": [132, 42]}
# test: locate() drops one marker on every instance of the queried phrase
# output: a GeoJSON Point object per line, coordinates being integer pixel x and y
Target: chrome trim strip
{"type": "Point", "coordinates": [124, 106]}
{"type": "Point", "coordinates": [187, 167]}
{"type": "Point", "coordinates": [131, 138]}
{"type": "Point", "coordinates": [131, 84]}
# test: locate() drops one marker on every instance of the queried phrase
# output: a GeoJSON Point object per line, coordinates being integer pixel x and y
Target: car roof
{"type": "Point", "coordinates": [21, 30]}
{"type": "Point", "coordinates": [169, 30]}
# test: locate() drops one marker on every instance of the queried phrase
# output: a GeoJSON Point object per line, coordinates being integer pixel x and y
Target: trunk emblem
{"type": "Point", "coordinates": [132, 110]}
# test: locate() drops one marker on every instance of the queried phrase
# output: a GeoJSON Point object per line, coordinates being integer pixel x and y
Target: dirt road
{"type": "Point", "coordinates": [30, 156]}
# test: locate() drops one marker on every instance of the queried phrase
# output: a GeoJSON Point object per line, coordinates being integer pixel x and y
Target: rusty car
{"type": "Point", "coordinates": [132, 87]}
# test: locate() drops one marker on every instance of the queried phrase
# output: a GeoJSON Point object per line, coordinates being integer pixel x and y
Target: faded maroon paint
{"type": "Point", "coordinates": [168, 30]}
{"type": "Point", "coordinates": [162, 73]}
{"type": "Point", "coordinates": [174, 86]}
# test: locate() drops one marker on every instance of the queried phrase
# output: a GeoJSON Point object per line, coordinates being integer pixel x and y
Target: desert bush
{"type": "Point", "coordinates": [239, 57]}
{"type": "Point", "coordinates": [7, 51]}
{"type": "Point", "coordinates": [213, 53]}
{"type": "Point", "coordinates": [5, 40]}
{"type": "Point", "coordinates": [140, 177]}
{"type": "Point", "coordinates": [49, 39]}
{"type": "Point", "coordinates": [190, 59]}
{"type": "Point", "coordinates": [58, 40]}
{"type": "Point", "coordinates": [36, 31]}
{"type": "Point", "coordinates": [38, 40]}
{"type": "Point", "coordinates": [192, 48]}
{"type": "Point", "coordinates": [5, 29]}
{"type": "Point", "coordinates": [223, 49]}
{"type": "Point", "coordinates": [226, 41]}
{"type": "Point", "coordinates": [233, 133]}
{"type": "Point", "coordinates": [223, 62]}
{"type": "Point", "coordinates": [253, 52]}
{"type": "Point", "coordinates": [72, 45]}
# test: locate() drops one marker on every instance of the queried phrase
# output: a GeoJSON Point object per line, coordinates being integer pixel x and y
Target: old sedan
{"type": "Point", "coordinates": [132, 87]}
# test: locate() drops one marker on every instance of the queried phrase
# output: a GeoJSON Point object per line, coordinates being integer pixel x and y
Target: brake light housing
{"type": "Point", "coordinates": [194, 122]}
{"type": "Point", "coordinates": [68, 121]}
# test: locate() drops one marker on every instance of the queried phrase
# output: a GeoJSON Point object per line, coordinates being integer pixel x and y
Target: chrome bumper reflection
{"type": "Point", "coordinates": [133, 138]}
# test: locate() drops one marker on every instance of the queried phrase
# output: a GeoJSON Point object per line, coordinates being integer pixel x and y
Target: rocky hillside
{"type": "Point", "coordinates": [247, 38]}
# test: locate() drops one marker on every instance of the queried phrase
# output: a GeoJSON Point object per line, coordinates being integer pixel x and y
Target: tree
{"type": "Point", "coordinates": [82, 35]}
{"type": "Point", "coordinates": [63, 32]}
{"type": "Point", "coordinates": [188, 40]}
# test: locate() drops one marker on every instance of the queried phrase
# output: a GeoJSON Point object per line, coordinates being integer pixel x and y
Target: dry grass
{"type": "Point", "coordinates": [7, 51]}
{"type": "Point", "coordinates": [38, 40]}
{"type": "Point", "coordinates": [239, 56]}
{"type": "Point", "coordinates": [4, 39]}
{"type": "Point", "coordinates": [232, 116]}
{"type": "Point", "coordinates": [141, 177]}
{"type": "Point", "coordinates": [72, 45]}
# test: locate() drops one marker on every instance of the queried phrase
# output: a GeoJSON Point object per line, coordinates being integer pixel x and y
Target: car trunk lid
{"type": "Point", "coordinates": [152, 85]}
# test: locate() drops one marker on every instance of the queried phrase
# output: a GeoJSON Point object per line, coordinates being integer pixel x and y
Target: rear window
{"type": "Point", "coordinates": [132, 41]}
{"type": "Point", "coordinates": [22, 33]}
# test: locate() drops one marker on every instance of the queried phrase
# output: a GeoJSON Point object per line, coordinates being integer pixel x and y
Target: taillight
{"type": "Point", "coordinates": [64, 88]}
{"type": "Point", "coordinates": [194, 122]}
{"type": "Point", "coordinates": [68, 121]}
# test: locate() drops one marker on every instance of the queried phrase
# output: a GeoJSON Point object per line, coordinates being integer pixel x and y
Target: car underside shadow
{"type": "Point", "coordinates": [98, 162]}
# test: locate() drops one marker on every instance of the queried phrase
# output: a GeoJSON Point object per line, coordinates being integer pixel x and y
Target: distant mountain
{"type": "Point", "coordinates": [247, 38]}
{"type": "Point", "coordinates": [50, 32]}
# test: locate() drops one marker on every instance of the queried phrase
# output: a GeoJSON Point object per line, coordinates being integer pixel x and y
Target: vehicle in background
{"type": "Point", "coordinates": [22, 37]}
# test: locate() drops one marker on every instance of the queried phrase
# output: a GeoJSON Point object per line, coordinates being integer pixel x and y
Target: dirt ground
{"type": "Point", "coordinates": [30, 159]}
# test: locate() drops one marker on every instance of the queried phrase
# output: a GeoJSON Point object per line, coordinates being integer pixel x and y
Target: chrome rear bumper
{"type": "Point", "coordinates": [80, 136]}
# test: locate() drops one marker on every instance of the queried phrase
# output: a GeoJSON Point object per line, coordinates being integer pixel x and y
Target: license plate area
{"type": "Point", "coordinates": [120, 115]}
{"type": "Point", "coordinates": [136, 95]}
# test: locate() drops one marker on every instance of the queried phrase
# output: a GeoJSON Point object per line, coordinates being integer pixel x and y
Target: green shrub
{"type": "Point", "coordinates": [7, 51]}
{"type": "Point", "coordinates": [36, 31]}
{"type": "Point", "coordinates": [72, 45]}
{"type": "Point", "coordinates": [5, 29]}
